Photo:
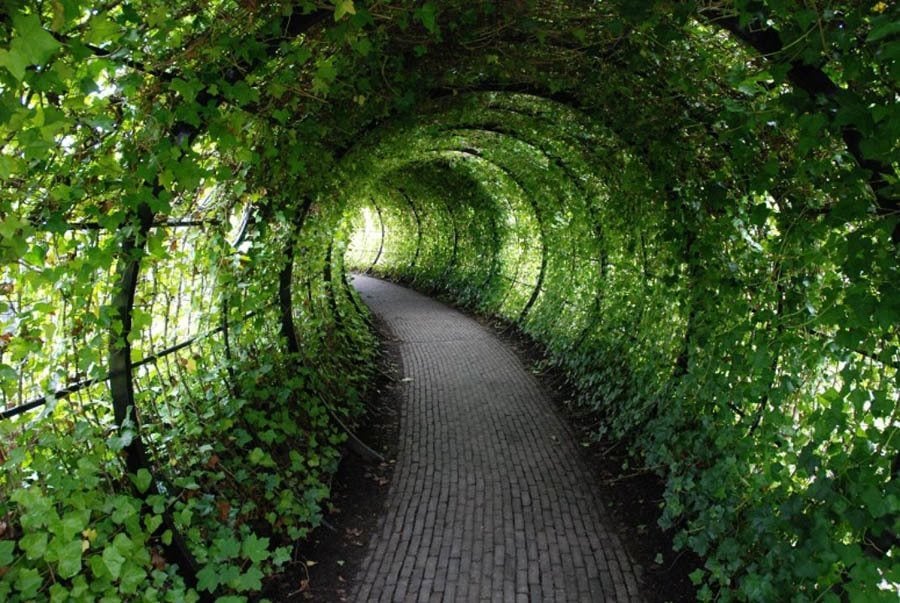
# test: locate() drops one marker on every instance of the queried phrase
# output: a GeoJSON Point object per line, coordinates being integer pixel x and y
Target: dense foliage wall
{"type": "Point", "coordinates": [692, 204]}
{"type": "Point", "coordinates": [239, 434]}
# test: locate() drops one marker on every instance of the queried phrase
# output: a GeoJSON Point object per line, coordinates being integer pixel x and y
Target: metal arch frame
{"type": "Point", "coordinates": [285, 303]}
{"type": "Point", "coordinates": [415, 212]}
{"type": "Point", "coordinates": [380, 241]}
{"type": "Point", "coordinates": [471, 152]}
{"type": "Point", "coordinates": [121, 379]}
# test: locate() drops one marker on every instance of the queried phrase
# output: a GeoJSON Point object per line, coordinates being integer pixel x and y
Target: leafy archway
{"type": "Point", "coordinates": [692, 205]}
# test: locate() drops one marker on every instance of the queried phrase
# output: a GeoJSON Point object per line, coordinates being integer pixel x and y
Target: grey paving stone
{"type": "Point", "coordinates": [490, 499]}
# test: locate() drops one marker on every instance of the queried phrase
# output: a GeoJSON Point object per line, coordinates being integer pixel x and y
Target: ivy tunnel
{"type": "Point", "coordinates": [690, 207]}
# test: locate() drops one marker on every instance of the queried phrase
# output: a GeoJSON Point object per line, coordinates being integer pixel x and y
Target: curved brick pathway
{"type": "Point", "coordinates": [490, 500]}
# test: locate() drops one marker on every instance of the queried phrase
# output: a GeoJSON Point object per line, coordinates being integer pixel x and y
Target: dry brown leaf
{"type": "Point", "coordinates": [224, 509]}
{"type": "Point", "coordinates": [157, 560]}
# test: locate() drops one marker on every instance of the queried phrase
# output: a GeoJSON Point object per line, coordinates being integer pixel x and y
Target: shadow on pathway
{"type": "Point", "coordinates": [490, 498]}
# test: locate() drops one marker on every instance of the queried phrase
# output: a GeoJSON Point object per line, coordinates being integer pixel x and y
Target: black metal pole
{"type": "Point", "coordinates": [121, 379]}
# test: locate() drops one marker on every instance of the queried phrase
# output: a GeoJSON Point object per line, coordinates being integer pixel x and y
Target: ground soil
{"type": "Point", "coordinates": [328, 560]}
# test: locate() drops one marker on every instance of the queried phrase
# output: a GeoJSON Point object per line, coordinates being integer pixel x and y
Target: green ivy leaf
{"type": "Point", "coordinates": [257, 456]}
{"type": "Point", "coordinates": [36, 43]}
{"type": "Point", "coordinates": [123, 510]}
{"type": "Point", "coordinates": [103, 30]}
{"type": "Point", "coordinates": [9, 165]}
{"type": "Point", "coordinates": [113, 560]}
{"type": "Point", "coordinates": [281, 556]}
{"type": "Point", "coordinates": [58, 592]}
{"type": "Point", "coordinates": [141, 480]}
{"type": "Point", "coordinates": [187, 89]}
{"type": "Point", "coordinates": [69, 559]}
{"type": "Point", "coordinates": [71, 524]}
{"type": "Point", "coordinates": [326, 73]}
{"type": "Point", "coordinates": [343, 8]}
{"type": "Point", "coordinates": [122, 440]}
{"type": "Point", "coordinates": [132, 577]}
{"type": "Point", "coordinates": [208, 578]}
{"type": "Point", "coordinates": [427, 14]}
{"type": "Point", "coordinates": [28, 582]}
{"type": "Point", "coordinates": [7, 547]}
{"type": "Point", "coordinates": [152, 522]}
{"type": "Point", "coordinates": [884, 29]}
{"type": "Point", "coordinates": [249, 580]}
{"type": "Point", "coordinates": [16, 63]}
{"type": "Point", "coordinates": [34, 545]}
{"type": "Point", "coordinates": [256, 549]}
{"type": "Point", "coordinates": [228, 547]}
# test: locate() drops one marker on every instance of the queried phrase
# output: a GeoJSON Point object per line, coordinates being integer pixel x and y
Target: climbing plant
{"type": "Point", "coordinates": [692, 205]}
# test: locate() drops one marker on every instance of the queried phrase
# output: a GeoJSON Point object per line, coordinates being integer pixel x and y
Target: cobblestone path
{"type": "Point", "coordinates": [490, 499]}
